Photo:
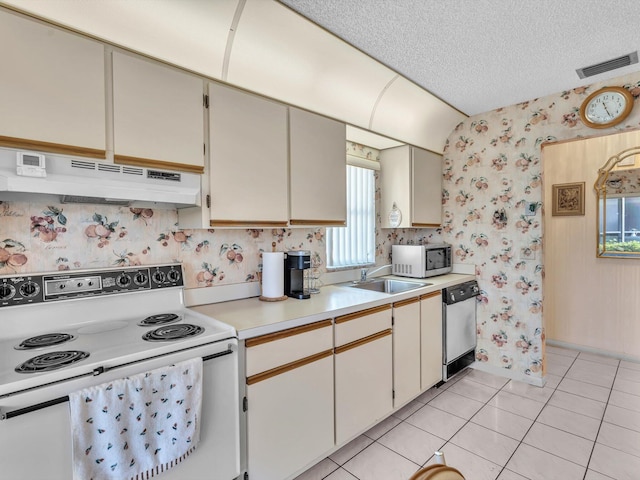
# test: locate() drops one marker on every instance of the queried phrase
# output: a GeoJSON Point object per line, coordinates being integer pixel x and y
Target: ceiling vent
{"type": "Point", "coordinates": [609, 65]}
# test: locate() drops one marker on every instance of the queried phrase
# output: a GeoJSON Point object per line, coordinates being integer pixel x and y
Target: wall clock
{"type": "Point", "coordinates": [606, 107]}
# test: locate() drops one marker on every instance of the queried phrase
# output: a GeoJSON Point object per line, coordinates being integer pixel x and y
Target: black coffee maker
{"type": "Point", "coordinates": [295, 264]}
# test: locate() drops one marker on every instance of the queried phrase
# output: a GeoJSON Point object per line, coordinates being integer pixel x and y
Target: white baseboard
{"type": "Point", "coordinates": [504, 372]}
{"type": "Point", "coordinates": [597, 351]}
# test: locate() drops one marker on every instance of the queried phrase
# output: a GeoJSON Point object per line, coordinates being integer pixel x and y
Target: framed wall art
{"type": "Point", "coordinates": [568, 199]}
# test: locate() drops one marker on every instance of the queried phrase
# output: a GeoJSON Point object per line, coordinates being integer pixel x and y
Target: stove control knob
{"type": "Point", "coordinates": [29, 289]}
{"type": "Point", "coordinates": [173, 275]}
{"type": "Point", "coordinates": [123, 280]}
{"type": "Point", "coordinates": [158, 276]}
{"type": "Point", "coordinates": [140, 278]}
{"type": "Point", "coordinates": [6, 291]}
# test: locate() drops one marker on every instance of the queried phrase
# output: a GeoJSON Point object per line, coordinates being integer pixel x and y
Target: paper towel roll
{"type": "Point", "coordinates": [273, 274]}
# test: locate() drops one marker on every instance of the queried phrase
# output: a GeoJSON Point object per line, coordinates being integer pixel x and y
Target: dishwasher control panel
{"type": "Point", "coordinates": [460, 293]}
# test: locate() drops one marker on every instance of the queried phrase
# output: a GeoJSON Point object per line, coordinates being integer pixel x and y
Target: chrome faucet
{"type": "Point", "coordinates": [366, 271]}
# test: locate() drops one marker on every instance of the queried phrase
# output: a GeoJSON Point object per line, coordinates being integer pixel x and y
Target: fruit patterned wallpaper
{"type": "Point", "coordinates": [40, 236]}
{"type": "Point", "coordinates": [492, 172]}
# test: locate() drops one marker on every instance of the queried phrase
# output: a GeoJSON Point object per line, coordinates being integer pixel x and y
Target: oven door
{"type": "Point", "coordinates": [37, 444]}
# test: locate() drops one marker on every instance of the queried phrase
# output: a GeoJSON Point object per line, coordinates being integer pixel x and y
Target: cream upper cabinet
{"type": "Point", "coordinates": [411, 178]}
{"type": "Point", "coordinates": [247, 159]}
{"type": "Point", "coordinates": [406, 350]}
{"type": "Point", "coordinates": [318, 172]}
{"type": "Point", "coordinates": [52, 89]}
{"type": "Point", "coordinates": [431, 339]}
{"type": "Point", "coordinates": [158, 115]}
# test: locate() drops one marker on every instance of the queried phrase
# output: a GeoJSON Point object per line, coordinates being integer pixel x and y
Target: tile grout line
{"type": "Point", "coordinates": [601, 421]}
{"type": "Point", "coordinates": [534, 422]}
{"type": "Point", "coordinates": [467, 421]}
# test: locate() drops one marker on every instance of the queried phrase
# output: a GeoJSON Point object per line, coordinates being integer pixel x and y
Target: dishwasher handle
{"type": "Point", "coordinates": [460, 292]}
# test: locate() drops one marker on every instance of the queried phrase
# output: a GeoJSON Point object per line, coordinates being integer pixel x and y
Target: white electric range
{"type": "Point", "coordinates": [64, 331]}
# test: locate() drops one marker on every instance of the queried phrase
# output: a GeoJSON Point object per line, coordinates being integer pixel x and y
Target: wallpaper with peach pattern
{"type": "Point", "coordinates": [492, 171]}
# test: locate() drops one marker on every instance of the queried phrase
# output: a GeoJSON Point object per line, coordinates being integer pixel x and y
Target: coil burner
{"type": "Point", "coordinates": [172, 332]}
{"type": "Point", "coordinates": [45, 340]}
{"type": "Point", "coordinates": [160, 319]}
{"type": "Point", "coordinates": [51, 361]}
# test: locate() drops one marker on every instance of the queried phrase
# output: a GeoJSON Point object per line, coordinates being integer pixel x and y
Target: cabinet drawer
{"type": "Point", "coordinates": [362, 324]}
{"type": "Point", "coordinates": [276, 349]}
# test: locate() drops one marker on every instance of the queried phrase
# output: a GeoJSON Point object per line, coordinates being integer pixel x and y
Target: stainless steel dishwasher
{"type": "Point", "coordinates": [459, 327]}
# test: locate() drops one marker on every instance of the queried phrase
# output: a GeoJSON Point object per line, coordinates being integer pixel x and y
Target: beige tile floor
{"type": "Point", "coordinates": [583, 425]}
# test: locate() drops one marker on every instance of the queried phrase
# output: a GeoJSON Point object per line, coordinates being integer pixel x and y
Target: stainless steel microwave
{"type": "Point", "coordinates": [421, 261]}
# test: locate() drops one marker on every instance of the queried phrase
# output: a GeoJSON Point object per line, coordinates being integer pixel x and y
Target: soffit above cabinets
{"type": "Point", "coordinates": [191, 34]}
{"type": "Point", "coordinates": [264, 47]}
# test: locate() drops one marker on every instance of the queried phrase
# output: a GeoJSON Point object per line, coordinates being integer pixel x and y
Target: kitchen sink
{"type": "Point", "coordinates": [386, 285]}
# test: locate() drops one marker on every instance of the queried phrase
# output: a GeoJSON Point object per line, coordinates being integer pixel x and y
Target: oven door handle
{"type": "Point", "coordinates": [97, 371]}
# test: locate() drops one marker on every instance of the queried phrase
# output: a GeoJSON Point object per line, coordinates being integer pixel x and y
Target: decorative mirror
{"type": "Point", "coordinates": [618, 193]}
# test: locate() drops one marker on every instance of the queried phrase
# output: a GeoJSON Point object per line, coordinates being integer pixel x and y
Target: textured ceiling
{"type": "Point", "coordinates": [479, 55]}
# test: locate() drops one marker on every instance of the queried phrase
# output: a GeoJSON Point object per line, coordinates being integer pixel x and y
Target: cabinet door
{"type": "Point", "coordinates": [248, 159]}
{"type": "Point", "coordinates": [427, 189]}
{"type": "Point", "coordinates": [363, 384]}
{"type": "Point", "coordinates": [431, 338]}
{"type": "Point", "coordinates": [158, 115]}
{"type": "Point", "coordinates": [52, 89]}
{"type": "Point", "coordinates": [290, 419]}
{"type": "Point", "coordinates": [406, 350]}
{"type": "Point", "coordinates": [395, 187]}
{"type": "Point", "coordinates": [318, 170]}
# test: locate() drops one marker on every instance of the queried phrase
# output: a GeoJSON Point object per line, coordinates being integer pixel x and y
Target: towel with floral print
{"type": "Point", "coordinates": [139, 426]}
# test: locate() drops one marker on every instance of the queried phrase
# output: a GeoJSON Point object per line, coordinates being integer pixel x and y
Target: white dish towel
{"type": "Point", "coordinates": [137, 427]}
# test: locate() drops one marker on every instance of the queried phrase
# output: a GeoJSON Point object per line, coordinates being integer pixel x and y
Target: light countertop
{"type": "Point", "coordinates": [252, 317]}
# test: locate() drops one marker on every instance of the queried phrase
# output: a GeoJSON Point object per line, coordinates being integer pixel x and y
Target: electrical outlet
{"type": "Point", "coordinates": [527, 254]}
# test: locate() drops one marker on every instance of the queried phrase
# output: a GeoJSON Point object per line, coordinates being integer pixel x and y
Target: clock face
{"type": "Point", "coordinates": [606, 107]}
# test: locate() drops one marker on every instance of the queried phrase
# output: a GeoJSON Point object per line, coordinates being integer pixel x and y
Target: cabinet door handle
{"type": "Point", "coordinates": [408, 301]}
{"type": "Point", "coordinates": [430, 295]}
{"type": "Point", "coordinates": [362, 341]}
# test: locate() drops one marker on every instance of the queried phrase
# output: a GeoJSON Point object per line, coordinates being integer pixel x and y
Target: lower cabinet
{"type": "Point", "coordinates": [363, 370]}
{"type": "Point", "coordinates": [406, 350]}
{"type": "Point", "coordinates": [290, 416]}
{"type": "Point", "coordinates": [290, 419]}
{"type": "Point", "coordinates": [317, 386]}
{"type": "Point", "coordinates": [431, 339]}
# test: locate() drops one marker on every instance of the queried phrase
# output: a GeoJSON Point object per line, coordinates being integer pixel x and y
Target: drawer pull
{"type": "Point", "coordinates": [288, 367]}
{"type": "Point", "coordinates": [362, 313]}
{"type": "Point", "coordinates": [272, 337]}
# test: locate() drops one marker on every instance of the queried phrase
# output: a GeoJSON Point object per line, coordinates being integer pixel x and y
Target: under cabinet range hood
{"type": "Point", "coordinates": [86, 181]}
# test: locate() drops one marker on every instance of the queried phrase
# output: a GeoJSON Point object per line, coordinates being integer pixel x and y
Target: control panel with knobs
{"type": "Point", "coordinates": [20, 290]}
